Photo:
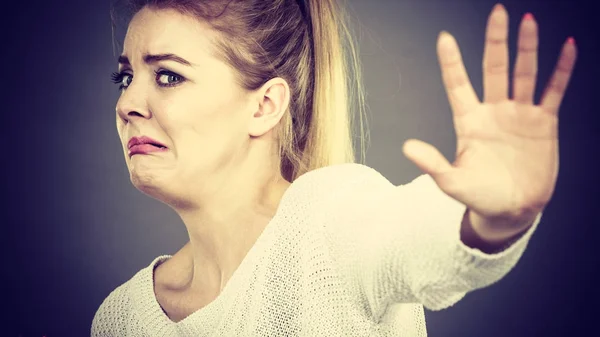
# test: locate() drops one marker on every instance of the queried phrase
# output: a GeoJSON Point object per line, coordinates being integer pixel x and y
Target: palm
{"type": "Point", "coordinates": [504, 164]}
{"type": "Point", "coordinates": [507, 150]}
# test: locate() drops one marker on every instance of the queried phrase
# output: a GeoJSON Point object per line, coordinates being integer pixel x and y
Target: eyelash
{"type": "Point", "coordinates": [117, 77]}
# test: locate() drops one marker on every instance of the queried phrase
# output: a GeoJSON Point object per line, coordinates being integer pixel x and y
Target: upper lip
{"type": "Point", "coordinates": [143, 140]}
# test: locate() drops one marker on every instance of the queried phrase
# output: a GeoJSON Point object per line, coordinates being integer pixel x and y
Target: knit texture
{"type": "Point", "coordinates": [347, 254]}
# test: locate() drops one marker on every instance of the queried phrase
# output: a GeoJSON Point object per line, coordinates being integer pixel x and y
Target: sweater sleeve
{"type": "Point", "coordinates": [408, 248]}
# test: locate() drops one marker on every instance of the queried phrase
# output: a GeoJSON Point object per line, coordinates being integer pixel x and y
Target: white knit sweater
{"type": "Point", "coordinates": [347, 254]}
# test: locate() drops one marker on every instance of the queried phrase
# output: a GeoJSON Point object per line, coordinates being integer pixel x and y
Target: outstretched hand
{"type": "Point", "coordinates": [507, 148]}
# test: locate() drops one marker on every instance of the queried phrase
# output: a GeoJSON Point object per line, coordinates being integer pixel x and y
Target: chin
{"type": "Point", "coordinates": [156, 189]}
{"type": "Point", "coordinates": [146, 183]}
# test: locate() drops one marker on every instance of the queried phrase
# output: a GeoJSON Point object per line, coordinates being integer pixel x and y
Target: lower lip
{"type": "Point", "coordinates": [145, 149]}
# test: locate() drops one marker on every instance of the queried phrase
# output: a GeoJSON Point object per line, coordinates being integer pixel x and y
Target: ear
{"type": "Point", "coordinates": [273, 99]}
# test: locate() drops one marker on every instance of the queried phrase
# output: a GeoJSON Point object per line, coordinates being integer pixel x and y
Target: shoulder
{"type": "Point", "coordinates": [331, 189]}
{"type": "Point", "coordinates": [353, 177]}
{"type": "Point", "coordinates": [115, 307]}
{"type": "Point", "coordinates": [340, 177]}
{"type": "Point", "coordinates": [340, 170]}
{"type": "Point", "coordinates": [114, 313]}
{"type": "Point", "coordinates": [355, 188]}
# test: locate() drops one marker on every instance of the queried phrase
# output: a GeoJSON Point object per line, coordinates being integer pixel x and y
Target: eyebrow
{"type": "Point", "coordinates": [153, 58]}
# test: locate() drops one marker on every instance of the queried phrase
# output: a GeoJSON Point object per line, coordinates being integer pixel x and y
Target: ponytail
{"type": "Point", "coordinates": [336, 76]}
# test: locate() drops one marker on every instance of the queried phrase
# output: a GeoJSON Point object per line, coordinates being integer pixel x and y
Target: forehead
{"type": "Point", "coordinates": [166, 30]}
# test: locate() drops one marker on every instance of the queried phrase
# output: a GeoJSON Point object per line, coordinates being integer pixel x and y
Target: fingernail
{"type": "Point", "coordinates": [571, 40]}
{"type": "Point", "coordinates": [528, 16]}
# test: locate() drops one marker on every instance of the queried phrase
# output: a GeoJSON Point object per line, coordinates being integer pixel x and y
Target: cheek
{"type": "Point", "coordinates": [207, 143]}
{"type": "Point", "coordinates": [206, 131]}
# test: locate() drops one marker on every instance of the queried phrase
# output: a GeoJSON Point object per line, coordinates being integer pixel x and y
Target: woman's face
{"type": "Point", "coordinates": [196, 110]}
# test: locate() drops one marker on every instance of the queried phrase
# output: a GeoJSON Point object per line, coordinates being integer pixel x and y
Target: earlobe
{"type": "Point", "coordinates": [264, 119]}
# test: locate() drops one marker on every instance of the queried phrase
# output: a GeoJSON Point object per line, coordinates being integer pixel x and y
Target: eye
{"type": "Point", "coordinates": [122, 78]}
{"type": "Point", "coordinates": [167, 78]}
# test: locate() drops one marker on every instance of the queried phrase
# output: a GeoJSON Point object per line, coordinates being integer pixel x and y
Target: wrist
{"type": "Point", "coordinates": [491, 235]}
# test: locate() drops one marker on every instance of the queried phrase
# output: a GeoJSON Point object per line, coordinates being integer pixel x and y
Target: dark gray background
{"type": "Point", "coordinates": [74, 228]}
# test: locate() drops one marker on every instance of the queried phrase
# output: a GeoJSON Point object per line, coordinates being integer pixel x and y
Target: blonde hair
{"type": "Point", "coordinates": [309, 44]}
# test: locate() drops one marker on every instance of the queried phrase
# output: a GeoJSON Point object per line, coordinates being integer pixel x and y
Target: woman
{"type": "Point", "coordinates": [234, 114]}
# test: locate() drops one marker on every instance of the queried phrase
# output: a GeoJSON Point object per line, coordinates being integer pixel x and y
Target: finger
{"type": "Point", "coordinates": [526, 66]}
{"type": "Point", "coordinates": [495, 57]}
{"type": "Point", "coordinates": [555, 90]}
{"type": "Point", "coordinates": [456, 81]}
{"type": "Point", "coordinates": [426, 157]}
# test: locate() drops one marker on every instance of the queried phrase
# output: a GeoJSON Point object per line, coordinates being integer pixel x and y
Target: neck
{"type": "Point", "coordinates": [222, 231]}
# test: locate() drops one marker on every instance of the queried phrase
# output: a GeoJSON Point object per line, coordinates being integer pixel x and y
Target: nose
{"type": "Point", "coordinates": [132, 104]}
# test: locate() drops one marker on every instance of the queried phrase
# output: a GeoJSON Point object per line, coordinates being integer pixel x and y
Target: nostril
{"type": "Point", "coordinates": [134, 113]}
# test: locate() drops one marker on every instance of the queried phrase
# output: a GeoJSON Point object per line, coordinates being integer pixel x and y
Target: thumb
{"type": "Point", "coordinates": [426, 157]}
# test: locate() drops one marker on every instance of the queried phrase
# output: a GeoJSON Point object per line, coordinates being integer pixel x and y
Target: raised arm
{"type": "Point", "coordinates": [407, 245]}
